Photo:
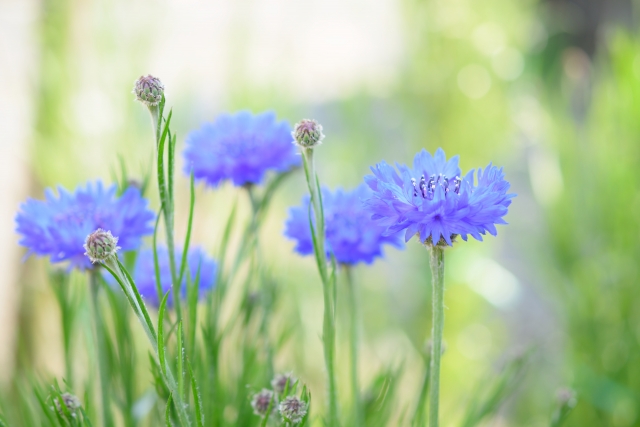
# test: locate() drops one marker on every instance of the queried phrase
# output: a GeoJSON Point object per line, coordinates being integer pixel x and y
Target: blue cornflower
{"type": "Point", "coordinates": [433, 201]}
{"type": "Point", "coordinates": [241, 147]}
{"type": "Point", "coordinates": [145, 274]}
{"type": "Point", "coordinates": [58, 226]}
{"type": "Point", "coordinates": [351, 235]}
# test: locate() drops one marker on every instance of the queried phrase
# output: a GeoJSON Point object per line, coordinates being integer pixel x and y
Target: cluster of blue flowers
{"type": "Point", "coordinates": [431, 200]}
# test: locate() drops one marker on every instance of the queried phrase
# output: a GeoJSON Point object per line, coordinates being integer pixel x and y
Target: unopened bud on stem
{"type": "Point", "coordinates": [307, 133]}
{"type": "Point", "coordinates": [149, 90]}
{"type": "Point", "coordinates": [262, 401]}
{"type": "Point", "coordinates": [293, 409]}
{"type": "Point", "coordinates": [100, 246]}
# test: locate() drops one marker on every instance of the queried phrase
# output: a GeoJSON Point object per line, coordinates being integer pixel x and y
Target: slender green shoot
{"type": "Point", "coordinates": [437, 274]}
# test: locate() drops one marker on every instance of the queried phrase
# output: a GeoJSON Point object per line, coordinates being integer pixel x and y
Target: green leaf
{"type": "Point", "coordinates": [196, 397]}
{"type": "Point", "coordinates": [138, 298]}
{"type": "Point", "coordinates": [167, 412]}
{"type": "Point", "coordinates": [193, 292]}
{"type": "Point", "coordinates": [85, 418]}
{"type": "Point", "coordinates": [181, 387]}
{"type": "Point", "coordinates": [185, 250]}
{"type": "Point", "coordinates": [43, 405]}
{"type": "Point", "coordinates": [161, 345]}
{"type": "Point", "coordinates": [172, 153]}
{"type": "Point", "coordinates": [305, 396]}
{"type": "Point", "coordinates": [162, 186]}
{"type": "Point", "coordinates": [156, 262]}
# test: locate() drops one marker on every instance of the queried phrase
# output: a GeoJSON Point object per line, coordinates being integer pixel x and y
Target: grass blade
{"type": "Point", "coordinates": [156, 262]}
{"type": "Point", "coordinates": [161, 346]}
{"type": "Point", "coordinates": [167, 412]}
{"type": "Point", "coordinates": [185, 248]}
{"type": "Point", "coordinates": [196, 397]}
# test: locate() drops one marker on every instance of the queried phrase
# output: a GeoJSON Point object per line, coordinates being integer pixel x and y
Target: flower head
{"type": "Point", "coordinates": [307, 133]}
{"type": "Point", "coordinates": [241, 148]}
{"type": "Point", "coordinates": [279, 382]}
{"type": "Point", "coordinates": [351, 235]}
{"type": "Point", "coordinates": [58, 226]}
{"type": "Point", "coordinates": [431, 199]}
{"type": "Point", "coordinates": [148, 90]}
{"type": "Point", "coordinates": [197, 259]}
{"type": "Point", "coordinates": [293, 409]}
{"type": "Point", "coordinates": [262, 400]}
{"type": "Point", "coordinates": [100, 245]}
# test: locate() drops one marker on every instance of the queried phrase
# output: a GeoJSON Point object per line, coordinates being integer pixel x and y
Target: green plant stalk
{"type": "Point", "coordinates": [130, 290]}
{"type": "Point", "coordinates": [103, 368]}
{"type": "Point", "coordinates": [165, 192]}
{"type": "Point", "coordinates": [60, 283]}
{"type": "Point", "coordinates": [328, 328]}
{"type": "Point", "coordinates": [437, 274]}
{"type": "Point", "coordinates": [353, 341]}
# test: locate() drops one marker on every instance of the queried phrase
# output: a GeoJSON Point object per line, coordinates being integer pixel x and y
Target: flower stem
{"type": "Point", "coordinates": [165, 188]}
{"type": "Point", "coordinates": [130, 290]}
{"type": "Point", "coordinates": [328, 285]}
{"type": "Point", "coordinates": [437, 274]}
{"type": "Point", "coordinates": [353, 341]}
{"type": "Point", "coordinates": [103, 367]}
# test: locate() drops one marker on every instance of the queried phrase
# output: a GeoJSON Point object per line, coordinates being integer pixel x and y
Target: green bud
{"type": "Point", "coordinates": [100, 245]}
{"type": "Point", "coordinates": [149, 90]}
{"type": "Point", "coordinates": [307, 133]}
{"type": "Point", "coordinates": [293, 409]}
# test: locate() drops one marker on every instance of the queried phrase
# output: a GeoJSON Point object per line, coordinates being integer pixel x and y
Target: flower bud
{"type": "Point", "coordinates": [149, 90]}
{"type": "Point", "coordinates": [293, 409]}
{"type": "Point", "coordinates": [261, 402]}
{"type": "Point", "coordinates": [279, 382]}
{"type": "Point", "coordinates": [100, 245]}
{"type": "Point", "coordinates": [307, 133]}
{"type": "Point", "coordinates": [71, 402]}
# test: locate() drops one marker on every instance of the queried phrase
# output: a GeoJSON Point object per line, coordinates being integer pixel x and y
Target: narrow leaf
{"type": "Point", "coordinates": [161, 346]}
{"type": "Point", "coordinates": [196, 397]}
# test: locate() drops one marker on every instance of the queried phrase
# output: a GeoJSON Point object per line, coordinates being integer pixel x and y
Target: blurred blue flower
{"type": "Point", "coordinates": [431, 199]}
{"type": "Point", "coordinates": [241, 147]}
{"type": "Point", "coordinates": [145, 274]}
{"type": "Point", "coordinates": [58, 226]}
{"type": "Point", "coordinates": [351, 234]}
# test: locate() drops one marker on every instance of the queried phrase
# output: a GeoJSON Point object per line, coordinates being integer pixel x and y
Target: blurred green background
{"type": "Point", "coordinates": [548, 89]}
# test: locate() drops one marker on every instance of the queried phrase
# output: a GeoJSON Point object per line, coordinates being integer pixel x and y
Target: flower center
{"type": "Point", "coordinates": [427, 189]}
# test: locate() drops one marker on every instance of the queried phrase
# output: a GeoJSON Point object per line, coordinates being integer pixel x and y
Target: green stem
{"type": "Point", "coordinates": [437, 274]}
{"type": "Point", "coordinates": [155, 122]}
{"type": "Point", "coordinates": [353, 341]}
{"type": "Point", "coordinates": [166, 199]}
{"type": "Point", "coordinates": [328, 328]}
{"type": "Point", "coordinates": [135, 301]}
{"type": "Point", "coordinates": [103, 367]}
